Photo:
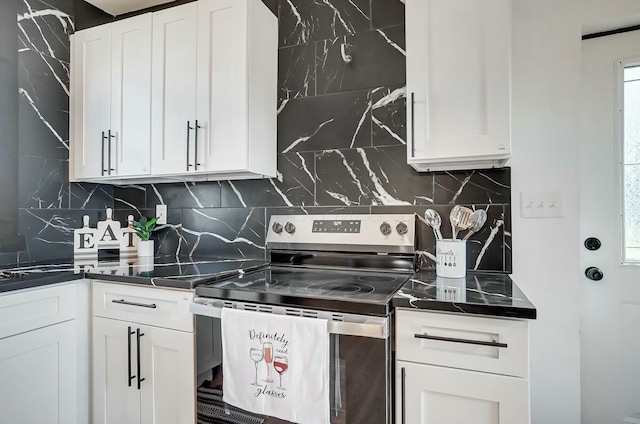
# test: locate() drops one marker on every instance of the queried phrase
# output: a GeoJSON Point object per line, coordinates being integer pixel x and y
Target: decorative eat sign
{"type": "Point", "coordinates": [107, 235]}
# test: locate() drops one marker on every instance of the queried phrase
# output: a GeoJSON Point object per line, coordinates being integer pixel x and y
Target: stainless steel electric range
{"type": "Point", "coordinates": [341, 268]}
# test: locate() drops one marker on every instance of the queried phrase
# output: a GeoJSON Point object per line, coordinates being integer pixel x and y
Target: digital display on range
{"type": "Point", "coordinates": [338, 226]}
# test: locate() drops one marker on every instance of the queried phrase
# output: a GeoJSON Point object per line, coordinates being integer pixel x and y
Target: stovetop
{"type": "Point", "coordinates": [350, 291]}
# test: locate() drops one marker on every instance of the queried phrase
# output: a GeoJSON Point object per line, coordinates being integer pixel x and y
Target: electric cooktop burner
{"type": "Point", "coordinates": [345, 291]}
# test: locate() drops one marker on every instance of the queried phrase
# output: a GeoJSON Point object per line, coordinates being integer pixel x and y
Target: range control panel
{"type": "Point", "coordinates": [382, 233]}
{"type": "Point", "coordinates": [336, 226]}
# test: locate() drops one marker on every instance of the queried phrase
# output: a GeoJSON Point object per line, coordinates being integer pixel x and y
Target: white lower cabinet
{"type": "Point", "coordinates": [38, 374]}
{"type": "Point", "coordinates": [42, 360]}
{"type": "Point", "coordinates": [455, 369]}
{"type": "Point", "coordinates": [141, 373]}
{"type": "Point", "coordinates": [439, 395]}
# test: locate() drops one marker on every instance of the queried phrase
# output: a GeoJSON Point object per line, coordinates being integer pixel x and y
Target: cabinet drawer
{"type": "Point", "coordinates": [36, 308]}
{"type": "Point", "coordinates": [499, 346]}
{"type": "Point", "coordinates": [145, 305]}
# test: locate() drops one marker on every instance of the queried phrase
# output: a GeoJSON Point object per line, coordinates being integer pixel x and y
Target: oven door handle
{"type": "Point", "coordinates": [373, 327]}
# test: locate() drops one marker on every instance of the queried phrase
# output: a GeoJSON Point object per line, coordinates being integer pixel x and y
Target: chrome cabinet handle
{"type": "Point", "coordinates": [413, 124]}
{"type": "Point", "coordinates": [403, 378]}
{"type": "Point", "coordinates": [141, 305]}
{"type": "Point", "coordinates": [138, 336]}
{"type": "Point", "coordinates": [131, 377]}
{"type": "Point", "coordinates": [492, 343]}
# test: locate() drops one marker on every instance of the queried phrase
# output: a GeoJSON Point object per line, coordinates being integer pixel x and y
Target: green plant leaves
{"type": "Point", "coordinates": [144, 227]}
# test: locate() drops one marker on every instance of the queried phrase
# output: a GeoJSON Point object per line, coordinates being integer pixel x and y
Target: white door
{"type": "Point", "coordinates": [168, 368]}
{"type": "Point", "coordinates": [114, 362]}
{"type": "Point", "coordinates": [38, 376]}
{"type": "Point", "coordinates": [222, 85]}
{"type": "Point", "coordinates": [610, 307]}
{"type": "Point", "coordinates": [440, 395]}
{"type": "Point", "coordinates": [92, 100]}
{"type": "Point", "coordinates": [131, 95]}
{"type": "Point", "coordinates": [174, 89]}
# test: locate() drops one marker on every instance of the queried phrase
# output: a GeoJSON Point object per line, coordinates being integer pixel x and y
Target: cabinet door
{"type": "Point", "coordinates": [458, 82]}
{"type": "Point", "coordinates": [38, 375]}
{"type": "Point", "coordinates": [114, 362]}
{"type": "Point", "coordinates": [174, 89]}
{"type": "Point", "coordinates": [437, 395]}
{"type": "Point", "coordinates": [131, 96]}
{"type": "Point", "coordinates": [92, 99]}
{"type": "Point", "coordinates": [222, 85]}
{"type": "Point", "coordinates": [168, 369]}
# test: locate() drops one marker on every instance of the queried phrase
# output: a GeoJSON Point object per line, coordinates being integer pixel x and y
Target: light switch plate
{"type": "Point", "coordinates": [161, 213]}
{"type": "Point", "coordinates": [543, 204]}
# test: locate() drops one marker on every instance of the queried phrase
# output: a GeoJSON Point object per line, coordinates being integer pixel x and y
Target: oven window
{"type": "Point", "coordinates": [359, 380]}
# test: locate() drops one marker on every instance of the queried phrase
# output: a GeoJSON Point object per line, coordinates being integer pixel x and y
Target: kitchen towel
{"type": "Point", "coordinates": [276, 365]}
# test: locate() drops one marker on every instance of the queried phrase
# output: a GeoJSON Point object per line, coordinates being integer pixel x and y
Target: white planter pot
{"type": "Point", "coordinates": [146, 248]}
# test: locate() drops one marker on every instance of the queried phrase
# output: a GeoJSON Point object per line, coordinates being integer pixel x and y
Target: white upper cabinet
{"type": "Point", "coordinates": [91, 100]}
{"type": "Point", "coordinates": [236, 100]}
{"type": "Point", "coordinates": [214, 90]}
{"type": "Point", "coordinates": [174, 88]}
{"type": "Point", "coordinates": [458, 83]}
{"type": "Point", "coordinates": [111, 89]}
{"type": "Point", "coordinates": [192, 96]}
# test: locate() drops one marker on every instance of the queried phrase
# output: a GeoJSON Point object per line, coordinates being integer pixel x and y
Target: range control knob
{"type": "Point", "coordinates": [277, 227]}
{"type": "Point", "coordinates": [385, 228]}
{"type": "Point", "coordinates": [402, 228]}
{"type": "Point", "coordinates": [289, 228]}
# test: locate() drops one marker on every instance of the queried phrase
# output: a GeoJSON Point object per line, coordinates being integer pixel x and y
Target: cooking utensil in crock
{"type": "Point", "coordinates": [478, 218]}
{"type": "Point", "coordinates": [434, 220]}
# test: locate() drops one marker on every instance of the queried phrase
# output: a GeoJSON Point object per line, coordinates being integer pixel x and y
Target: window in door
{"type": "Point", "coordinates": [631, 164]}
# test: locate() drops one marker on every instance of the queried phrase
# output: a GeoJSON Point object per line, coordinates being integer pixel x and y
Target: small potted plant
{"type": "Point", "coordinates": [143, 229]}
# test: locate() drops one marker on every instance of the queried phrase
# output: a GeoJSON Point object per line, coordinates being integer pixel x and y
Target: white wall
{"type": "Point", "coordinates": [545, 137]}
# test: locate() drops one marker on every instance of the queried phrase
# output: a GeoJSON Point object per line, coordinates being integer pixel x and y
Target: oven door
{"type": "Point", "coordinates": [360, 365]}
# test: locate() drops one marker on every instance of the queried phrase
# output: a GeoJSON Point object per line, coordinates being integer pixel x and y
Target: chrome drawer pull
{"type": "Point", "coordinates": [492, 343]}
{"type": "Point", "coordinates": [142, 305]}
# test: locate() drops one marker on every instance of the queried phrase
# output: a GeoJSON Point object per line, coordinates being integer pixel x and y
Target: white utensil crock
{"type": "Point", "coordinates": [451, 258]}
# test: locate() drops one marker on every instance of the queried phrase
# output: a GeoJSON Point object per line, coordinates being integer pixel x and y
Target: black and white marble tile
{"type": "Point", "coordinates": [224, 232]}
{"type": "Point", "coordinates": [337, 121]}
{"type": "Point", "coordinates": [296, 72]}
{"type": "Point", "coordinates": [49, 232]}
{"type": "Point", "coordinates": [184, 195]}
{"type": "Point", "coordinates": [508, 240]}
{"type": "Point", "coordinates": [389, 116]}
{"type": "Point", "coordinates": [378, 58]}
{"type": "Point", "coordinates": [294, 185]}
{"type": "Point", "coordinates": [43, 55]}
{"type": "Point", "coordinates": [480, 186]}
{"type": "Point", "coordinates": [44, 183]}
{"type": "Point", "coordinates": [372, 176]}
{"type": "Point", "coordinates": [303, 21]}
{"type": "Point", "coordinates": [386, 13]}
{"type": "Point", "coordinates": [91, 196]}
{"type": "Point", "coordinates": [132, 198]}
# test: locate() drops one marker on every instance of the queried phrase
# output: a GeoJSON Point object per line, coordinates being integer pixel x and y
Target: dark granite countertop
{"type": "Point", "coordinates": [163, 271]}
{"type": "Point", "coordinates": [476, 294]}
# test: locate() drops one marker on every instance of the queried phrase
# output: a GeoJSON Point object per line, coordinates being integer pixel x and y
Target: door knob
{"type": "Point", "coordinates": [592, 243]}
{"type": "Point", "coordinates": [594, 273]}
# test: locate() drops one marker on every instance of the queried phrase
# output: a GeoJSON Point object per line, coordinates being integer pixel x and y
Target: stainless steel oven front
{"type": "Point", "coordinates": [342, 269]}
{"type": "Point", "coordinates": [360, 361]}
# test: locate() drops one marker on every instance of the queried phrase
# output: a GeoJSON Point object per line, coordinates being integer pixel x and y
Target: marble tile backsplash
{"type": "Point", "coordinates": [341, 143]}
